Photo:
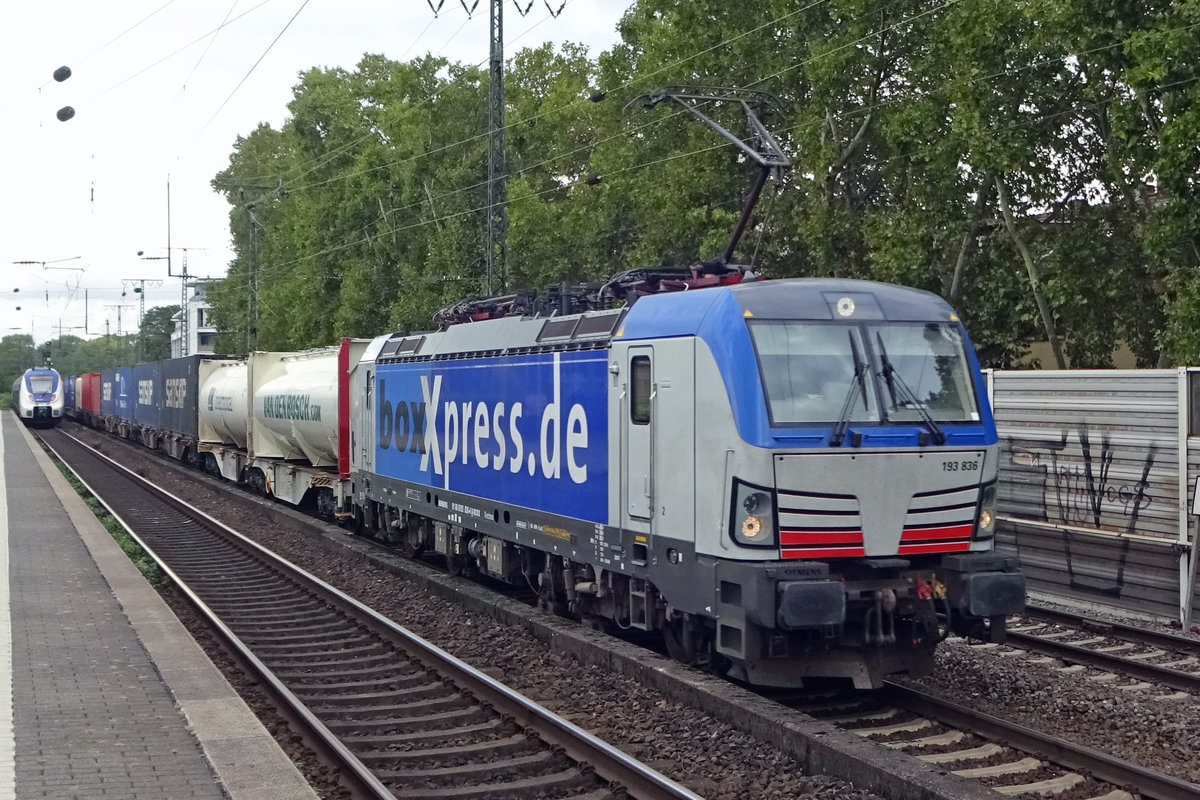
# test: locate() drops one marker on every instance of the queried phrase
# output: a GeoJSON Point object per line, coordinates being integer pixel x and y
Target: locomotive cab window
{"type": "Point", "coordinates": [927, 363]}
{"type": "Point", "coordinates": [639, 406]}
{"type": "Point", "coordinates": [814, 372]}
{"type": "Point", "coordinates": [809, 372]}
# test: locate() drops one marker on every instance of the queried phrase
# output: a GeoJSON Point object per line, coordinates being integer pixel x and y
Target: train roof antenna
{"type": "Point", "coordinates": [765, 151]}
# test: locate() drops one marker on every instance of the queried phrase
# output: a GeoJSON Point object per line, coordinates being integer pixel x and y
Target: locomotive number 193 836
{"type": "Point", "coordinates": [963, 465]}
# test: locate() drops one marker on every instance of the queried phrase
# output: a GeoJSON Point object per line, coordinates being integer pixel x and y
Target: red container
{"type": "Point", "coordinates": [89, 399]}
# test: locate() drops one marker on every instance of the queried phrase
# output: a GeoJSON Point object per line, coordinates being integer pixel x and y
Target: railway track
{"type": "Point", "coordinates": [955, 740]}
{"type": "Point", "coordinates": [1010, 758]}
{"type": "Point", "coordinates": [1150, 657]}
{"type": "Point", "coordinates": [394, 714]}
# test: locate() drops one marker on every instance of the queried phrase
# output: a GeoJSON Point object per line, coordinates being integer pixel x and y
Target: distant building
{"type": "Point", "coordinates": [200, 334]}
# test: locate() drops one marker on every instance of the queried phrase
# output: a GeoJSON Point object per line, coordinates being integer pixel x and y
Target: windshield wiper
{"type": "Point", "coordinates": [860, 372]}
{"type": "Point", "coordinates": [893, 379]}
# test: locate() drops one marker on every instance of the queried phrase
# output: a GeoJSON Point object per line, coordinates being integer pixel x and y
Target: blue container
{"type": "Point", "coordinates": [108, 392]}
{"type": "Point", "coordinates": [146, 395]}
{"type": "Point", "coordinates": [124, 395]}
{"type": "Point", "coordinates": [69, 392]}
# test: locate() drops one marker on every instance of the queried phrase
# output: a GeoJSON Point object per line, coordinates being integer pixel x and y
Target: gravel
{"type": "Point", "coordinates": [1153, 727]}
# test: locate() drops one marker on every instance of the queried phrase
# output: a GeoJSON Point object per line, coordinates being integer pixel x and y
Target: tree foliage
{"type": "Point", "coordinates": [1035, 162]}
{"type": "Point", "coordinates": [153, 340]}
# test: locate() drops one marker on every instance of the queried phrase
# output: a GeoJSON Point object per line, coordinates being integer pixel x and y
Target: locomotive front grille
{"type": "Point", "coordinates": [819, 525]}
{"type": "Point", "coordinates": [908, 504]}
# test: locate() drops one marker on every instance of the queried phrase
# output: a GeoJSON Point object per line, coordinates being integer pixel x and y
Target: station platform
{"type": "Point", "coordinates": [103, 693]}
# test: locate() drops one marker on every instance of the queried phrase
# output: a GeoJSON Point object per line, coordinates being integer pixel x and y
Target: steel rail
{"type": "Point", "coordinates": [1076, 654]}
{"type": "Point", "coordinates": [608, 762]}
{"type": "Point", "coordinates": [1130, 632]}
{"type": "Point", "coordinates": [1150, 784]}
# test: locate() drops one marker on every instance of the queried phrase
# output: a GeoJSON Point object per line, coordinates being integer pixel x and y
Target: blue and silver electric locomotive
{"type": "Point", "coordinates": [37, 396]}
{"type": "Point", "coordinates": [787, 479]}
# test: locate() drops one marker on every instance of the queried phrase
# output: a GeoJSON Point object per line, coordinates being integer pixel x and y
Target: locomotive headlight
{"type": "Point", "coordinates": [985, 527]}
{"type": "Point", "coordinates": [752, 517]}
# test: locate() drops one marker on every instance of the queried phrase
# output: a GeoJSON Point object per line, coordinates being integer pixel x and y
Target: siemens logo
{"type": "Point", "coordinates": [526, 423]}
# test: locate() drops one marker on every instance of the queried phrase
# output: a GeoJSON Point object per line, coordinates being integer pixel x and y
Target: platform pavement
{"type": "Point", "coordinates": [103, 693]}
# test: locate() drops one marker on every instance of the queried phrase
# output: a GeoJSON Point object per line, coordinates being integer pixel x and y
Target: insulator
{"type": "Point", "coordinates": [65, 113]}
{"type": "Point", "coordinates": [62, 73]}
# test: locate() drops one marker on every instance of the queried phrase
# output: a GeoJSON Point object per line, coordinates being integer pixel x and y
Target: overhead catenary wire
{"type": "Point", "coordinates": [250, 71]}
{"type": "Point", "coordinates": [182, 49]}
{"type": "Point", "coordinates": [211, 39]}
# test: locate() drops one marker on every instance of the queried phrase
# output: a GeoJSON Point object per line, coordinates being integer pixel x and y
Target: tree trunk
{"type": "Point", "coordinates": [1034, 282]}
{"type": "Point", "coordinates": [960, 264]}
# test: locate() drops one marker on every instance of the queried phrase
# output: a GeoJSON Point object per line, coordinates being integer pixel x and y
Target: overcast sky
{"type": "Point", "coordinates": [156, 94]}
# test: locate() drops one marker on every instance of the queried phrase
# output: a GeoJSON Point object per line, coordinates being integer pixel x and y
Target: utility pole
{"type": "Point", "coordinates": [497, 184]}
{"type": "Point", "coordinates": [497, 244]}
{"type": "Point", "coordinates": [118, 307]}
{"type": "Point", "coordinates": [140, 291]}
{"type": "Point", "coordinates": [183, 304]}
{"type": "Point", "coordinates": [252, 284]}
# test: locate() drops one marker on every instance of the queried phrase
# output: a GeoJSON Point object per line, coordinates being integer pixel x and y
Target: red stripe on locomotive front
{"type": "Point", "coordinates": [949, 532]}
{"type": "Point", "coordinates": [821, 552]}
{"type": "Point", "coordinates": [804, 538]}
{"type": "Point", "coordinates": [933, 547]}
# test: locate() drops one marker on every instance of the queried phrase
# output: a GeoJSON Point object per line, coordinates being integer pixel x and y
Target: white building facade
{"type": "Point", "coordinates": [200, 336]}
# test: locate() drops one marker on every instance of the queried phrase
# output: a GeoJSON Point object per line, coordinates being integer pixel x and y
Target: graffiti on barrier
{"type": "Point", "coordinates": [1051, 481]}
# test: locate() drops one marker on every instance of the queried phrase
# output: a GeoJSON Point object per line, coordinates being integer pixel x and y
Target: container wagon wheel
{"type": "Point", "coordinates": [454, 565]}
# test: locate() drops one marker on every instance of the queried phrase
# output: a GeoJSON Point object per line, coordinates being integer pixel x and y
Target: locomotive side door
{"type": "Point", "coordinates": [638, 426]}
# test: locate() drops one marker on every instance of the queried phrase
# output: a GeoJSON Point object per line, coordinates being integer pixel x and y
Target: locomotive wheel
{"type": "Point", "coordinates": [414, 539]}
{"type": "Point", "coordinates": [673, 635]}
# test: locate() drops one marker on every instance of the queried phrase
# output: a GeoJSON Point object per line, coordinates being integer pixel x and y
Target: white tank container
{"type": "Point", "coordinates": [224, 407]}
{"type": "Point", "coordinates": [295, 406]}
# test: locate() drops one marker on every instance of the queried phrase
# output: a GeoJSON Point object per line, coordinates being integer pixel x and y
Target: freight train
{"type": "Point", "coordinates": [785, 479]}
{"type": "Point", "coordinates": [38, 397]}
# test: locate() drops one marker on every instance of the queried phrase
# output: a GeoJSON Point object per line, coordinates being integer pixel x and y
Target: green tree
{"type": "Point", "coordinates": [17, 354]}
{"type": "Point", "coordinates": [153, 340]}
{"type": "Point", "coordinates": [1034, 162]}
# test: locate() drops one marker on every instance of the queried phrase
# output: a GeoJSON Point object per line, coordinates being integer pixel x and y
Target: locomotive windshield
{"type": "Point", "coordinates": [41, 384]}
{"type": "Point", "coordinates": [808, 372]}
